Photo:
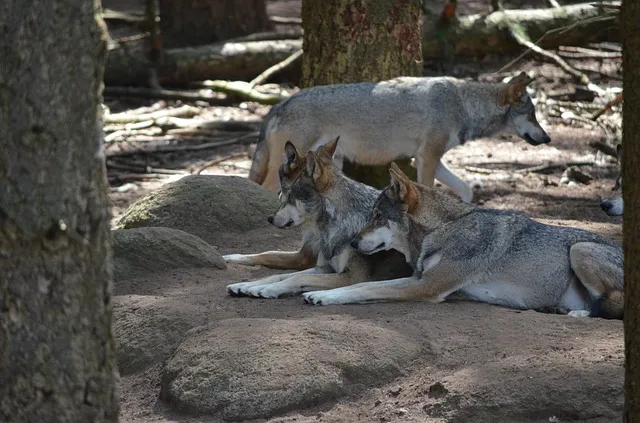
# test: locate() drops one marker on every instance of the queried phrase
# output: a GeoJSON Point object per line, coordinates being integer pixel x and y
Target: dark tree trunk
{"type": "Point", "coordinates": [630, 17]}
{"type": "Point", "coordinates": [57, 359]}
{"type": "Point", "coordinates": [197, 22]}
{"type": "Point", "coordinates": [361, 40]}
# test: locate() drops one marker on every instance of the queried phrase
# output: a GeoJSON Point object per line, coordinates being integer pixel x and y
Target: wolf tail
{"type": "Point", "coordinates": [609, 306]}
{"type": "Point", "coordinates": [258, 171]}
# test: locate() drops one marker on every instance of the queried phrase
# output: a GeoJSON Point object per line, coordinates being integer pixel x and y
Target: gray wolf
{"type": "Point", "coordinates": [400, 118]}
{"type": "Point", "coordinates": [331, 209]}
{"type": "Point", "coordinates": [493, 256]}
{"type": "Point", "coordinates": [613, 205]}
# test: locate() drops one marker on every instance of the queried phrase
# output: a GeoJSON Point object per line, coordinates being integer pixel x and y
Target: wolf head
{"type": "Point", "coordinates": [303, 180]}
{"type": "Point", "coordinates": [521, 114]}
{"type": "Point", "coordinates": [613, 205]}
{"type": "Point", "coordinates": [388, 224]}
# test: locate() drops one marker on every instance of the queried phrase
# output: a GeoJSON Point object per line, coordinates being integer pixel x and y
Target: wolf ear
{"type": "Point", "coordinates": [619, 152]}
{"type": "Point", "coordinates": [515, 88]}
{"type": "Point", "coordinates": [330, 147]}
{"type": "Point", "coordinates": [404, 187]}
{"type": "Point", "coordinates": [319, 167]}
{"type": "Point", "coordinates": [291, 155]}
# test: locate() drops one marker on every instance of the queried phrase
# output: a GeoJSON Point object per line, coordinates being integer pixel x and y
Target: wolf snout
{"type": "Point", "coordinates": [606, 206]}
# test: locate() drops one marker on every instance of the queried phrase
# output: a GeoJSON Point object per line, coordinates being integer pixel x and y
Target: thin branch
{"type": "Point", "coordinates": [174, 148]}
{"type": "Point", "coordinates": [550, 166]}
{"type": "Point", "coordinates": [162, 94]}
{"type": "Point", "coordinates": [275, 69]}
{"type": "Point", "coordinates": [125, 117]}
{"type": "Point", "coordinates": [218, 161]}
{"type": "Point", "coordinates": [616, 100]}
{"type": "Point", "coordinates": [604, 148]}
{"type": "Point", "coordinates": [285, 20]}
{"type": "Point", "coordinates": [524, 41]}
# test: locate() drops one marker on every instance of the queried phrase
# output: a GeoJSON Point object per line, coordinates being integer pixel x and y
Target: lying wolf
{"type": "Point", "coordinates": [332, 209]}
{"type": "Point", "coordinates": [400, 118]}
{"type": "Point", "coordinates": [493, 256]}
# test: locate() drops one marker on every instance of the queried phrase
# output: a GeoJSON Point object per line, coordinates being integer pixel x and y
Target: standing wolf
{"type": "Point", "coordinates": [493, 256]}
{"type": "Point", "coordinates": [332, 209]}
{"type": "Point", "coordinates": [400, 118]}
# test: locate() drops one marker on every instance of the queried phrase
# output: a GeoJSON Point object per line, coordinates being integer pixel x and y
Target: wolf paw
{"type": "Point", "coordinates": [251, 289]}
{"type": "Point", "coordinates": [320, 298]}
{"type": "Point", "coordinates": [579, 313]}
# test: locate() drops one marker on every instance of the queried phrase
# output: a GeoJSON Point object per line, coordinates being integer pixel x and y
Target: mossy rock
{"type": "Point", "coordinates": [142, 251]}
{"type": "Point", "coordinates": [204, 206]}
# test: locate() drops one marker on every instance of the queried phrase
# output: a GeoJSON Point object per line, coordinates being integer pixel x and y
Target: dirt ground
{"type": "Point", "coordinates": [471, 349]}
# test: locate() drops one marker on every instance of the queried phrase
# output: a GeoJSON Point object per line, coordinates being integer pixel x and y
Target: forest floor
{"type": "Point", "coordinates": [466, 348]}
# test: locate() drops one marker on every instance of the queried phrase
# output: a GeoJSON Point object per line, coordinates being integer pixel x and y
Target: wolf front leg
{"type": "Point", "coordinates": [254, 288]}
{"type": "Point", "coordinates": [297, 283]}
{"type": "Point", "coordinates": [288, 260]}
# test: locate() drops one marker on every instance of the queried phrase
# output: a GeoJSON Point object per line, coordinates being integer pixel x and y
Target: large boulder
{"type": "Point", "coordinates": [241, 369]}
{"type": "Point", "coordinates": [149, 250]}
{"type": "Point", "coordinates": [204, 206]}
{"type": "Point", "coordinates": [147, 329]}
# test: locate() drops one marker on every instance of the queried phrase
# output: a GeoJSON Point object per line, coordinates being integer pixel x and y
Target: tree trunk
{"type": "Point", "coordinates": [197, 22]}
{"type": "Point", "coordinates": [371, 40]}
{"type": "Point", "coordinates": [630, 17]}
{"type": "Point", "coordinates": [57, 361]}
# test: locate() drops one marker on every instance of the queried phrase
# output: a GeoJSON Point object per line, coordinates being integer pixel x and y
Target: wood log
{"type": "Point", "coordinates": [227, 60]}
{"type": "Point", "coordinates": [474, 35]}
{"type": "Point", "coordinates": [478, 35]}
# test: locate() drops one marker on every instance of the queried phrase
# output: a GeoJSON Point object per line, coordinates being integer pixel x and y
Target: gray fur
{"type": "Point", "coordinates": [402, 117]}
{"type": "Point", "coordinates": [494, 256]}
{"type": "Point", "coordinates": [330, 217]}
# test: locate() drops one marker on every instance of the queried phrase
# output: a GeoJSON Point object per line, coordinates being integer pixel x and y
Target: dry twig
{"type": "Point", "coordinates": [218, 161]}
{"type": "Point", "coordinates": [275, 69]}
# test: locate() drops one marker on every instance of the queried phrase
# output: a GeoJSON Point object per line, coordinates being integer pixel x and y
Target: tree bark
{"type": "Point", "coordinates": [196, 22]}
{"type": "Point", "coordinates": [57, 361]}
{"type": "Point", "coordinates": [630, 17]}
{"type": "Point", "coordinates": [226, 60]}
{"type": "Point", "coordinates": [472, 35]}
{"type": "Point", "coordinates": [371, 40]}
{"type": "Point", "coordinates": [478, 35]}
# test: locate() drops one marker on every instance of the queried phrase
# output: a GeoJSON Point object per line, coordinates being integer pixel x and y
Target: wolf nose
{"type": "Point", "coordinates": [270, 219]}
{"type": "Point", "coordinates": [606, 206]}
{"type": "Point", "coordinates": [354, 243]}
{"type": "Point", "coordinates": [546, 139]}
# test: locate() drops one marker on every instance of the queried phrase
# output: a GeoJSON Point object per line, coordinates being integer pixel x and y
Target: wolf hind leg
{"type": "Point", "coordinates": [600, 270]}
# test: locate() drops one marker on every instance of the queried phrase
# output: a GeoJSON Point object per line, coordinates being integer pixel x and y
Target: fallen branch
{"type": "Point", "coordinates": [524, 41]}
{"type": "Point", "coordinates": [275, 69]}
{"type": "Point", "coordinates": [131, 118]}
{"type": "Point", "coordinates": [479, 35]}
{"type": "Point", "coordinates": [285, 21]}
{"type": "Point", "coordinates": [543, 168]}
{"type": "Point", "coordinates": [244, 90]}
{"type": "Point", "coordinates": [218, 161]}
{"type": "Point", "coordinates": [174, 148]}
{"type": "Point", "coordinates": [163, 94]}
{"type": "Point", "coordinates": [604, 148]}
{"type": "Point", "coordinates": [144, 169]}
{"type": "Point", "coordinates": [616, 100]}
{"type": "Point", "coordinates": [180, 66]}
